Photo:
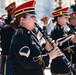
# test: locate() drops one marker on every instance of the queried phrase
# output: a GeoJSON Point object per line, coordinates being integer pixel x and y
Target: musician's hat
{"type": "Point", "coordinates": [27, 7]}
{"type": "Point", "coordinates": [45, 19]}
{"type": "Point", "coordinates": [62, 11]}
{"type": "Point", "coordinates": [72, 15]}
{"type": "Point", "coordinates": [10, 6]}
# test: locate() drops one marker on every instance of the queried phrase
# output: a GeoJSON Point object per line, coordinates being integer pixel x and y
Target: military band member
{"type": "Point", "coordinates": [9, 8]}
{"type": "Point", "coordinates": [72, 22]}
{"type": "Point", "coordinates": [58, 67]}
{"type": "Point", "coordinates": [26, 55]}
{"type": "Point", "coordinates": [6, 34]}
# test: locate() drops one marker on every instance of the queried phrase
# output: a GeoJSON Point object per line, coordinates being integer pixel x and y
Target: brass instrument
{"type": "Point", "coordinates": [49, 21]}
{"type": "Point", "coordinates": [60, 41]}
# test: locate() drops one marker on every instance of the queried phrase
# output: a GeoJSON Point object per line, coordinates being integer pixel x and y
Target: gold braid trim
{"type": "Point", "coordinates": [69, 49]}
{"type": "Point", "coordinates": [40, 59]}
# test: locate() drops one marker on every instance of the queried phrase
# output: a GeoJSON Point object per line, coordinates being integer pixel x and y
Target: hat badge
{"type": "Point", "coordinates": [60, 13]}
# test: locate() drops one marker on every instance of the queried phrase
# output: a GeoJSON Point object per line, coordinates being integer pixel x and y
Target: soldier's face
{"type": "Point", "coordinates": [29, 22]}
{"type": "Point", "coordinates": [73, 21]}
{"type": "Point", "coordinates": [63, 20]}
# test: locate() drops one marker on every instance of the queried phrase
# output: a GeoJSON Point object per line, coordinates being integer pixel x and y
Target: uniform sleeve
{"type": "Point", "coordinates": [54, 34]}
{"type": "Point", "coordinates": [24, 55]}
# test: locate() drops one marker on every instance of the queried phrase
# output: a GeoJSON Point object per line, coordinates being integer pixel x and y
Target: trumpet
{"type": "Point", "coordinates": [60, 41]}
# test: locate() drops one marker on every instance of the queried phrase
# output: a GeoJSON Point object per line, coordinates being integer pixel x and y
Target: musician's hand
{"type": "Point", "coordinates": [74, 39]}
{"type": "Point", "coordinates": [55, 53]}
{"type": "Point", "coordinates": [48, 46]}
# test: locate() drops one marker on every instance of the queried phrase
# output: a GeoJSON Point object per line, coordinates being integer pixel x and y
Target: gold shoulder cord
{"type": "Point", "coordinates": [40, 59]}
{"type": "Point", "coordinates": [69, 48]}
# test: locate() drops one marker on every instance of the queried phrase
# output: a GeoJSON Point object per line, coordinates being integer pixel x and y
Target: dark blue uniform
{"type": "Point", "coordinates": [6, 35]}
{"type": "Point", "coordinates": [26, 54]}
{"type": "Point", "coordinates": [8, 19]}
{"type": "Point", "coordinates": [57, 65]}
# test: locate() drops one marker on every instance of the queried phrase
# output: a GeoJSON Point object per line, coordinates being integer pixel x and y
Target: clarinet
{"type": "Point", "coordinates": [72, 30]}
{"type": "Point", "coordinates": [65, 60]}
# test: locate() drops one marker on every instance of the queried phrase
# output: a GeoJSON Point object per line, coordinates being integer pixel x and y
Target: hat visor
{"type": "Point", "coordinates": [33, 13]}
{"type": "Point", "coordinates": [66, 15]}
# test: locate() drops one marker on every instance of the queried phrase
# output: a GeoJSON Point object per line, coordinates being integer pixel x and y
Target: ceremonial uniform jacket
{"type": "Point", "coordinates": [26, 55]}
{"type": "Point", "coordinates": [58, 66]}
{"type": "Point", "coordinates": [8, 19]}
{"type": "Point", "coordinates": [6, 36]}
